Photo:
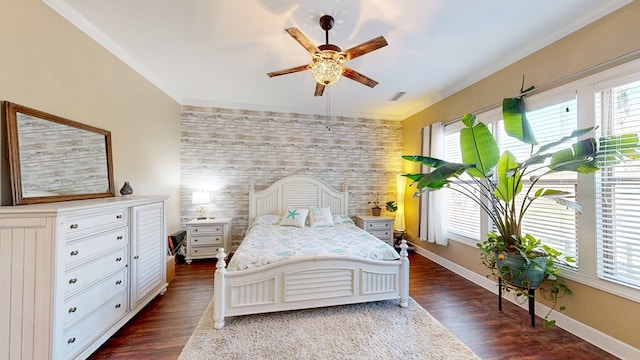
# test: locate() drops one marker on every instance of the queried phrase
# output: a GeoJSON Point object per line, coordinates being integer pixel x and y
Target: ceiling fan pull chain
{"type": "Point", "coordinates": [328, 126]}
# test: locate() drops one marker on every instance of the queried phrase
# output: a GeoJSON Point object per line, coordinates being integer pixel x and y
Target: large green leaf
{"type": "Point", "coordinates": [438, 177]}
{"type": "Point", "coordinates": [581, 157]}
{"type": "Point", "coordinates": [516, 124]}
{"type": "Point", "coordinates": [479, 147]}
{"type": "Point", "coordinates": [614, 149]}
{"type": "Point", "coordinates": [574, 134]}
{"type": "Point", "coordinates": [509, 184]}
{"type": "Point", "coordinates": [560, 197]}
{"type": "Point", "coordinates": [424, 160]}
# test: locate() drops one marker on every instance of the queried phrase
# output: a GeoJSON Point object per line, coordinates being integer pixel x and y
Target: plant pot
{"type": "Point", "coordinates": [515, 271]}
{"type": "Point", "coordinates": [376, 211]}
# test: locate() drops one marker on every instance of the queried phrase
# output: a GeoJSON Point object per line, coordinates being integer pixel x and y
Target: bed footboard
{"type": "Point", "coordinates": [308, 283]}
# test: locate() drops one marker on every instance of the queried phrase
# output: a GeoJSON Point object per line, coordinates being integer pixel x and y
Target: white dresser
{"type": "Point", "coordinates": [77, 271]}
{"type": "Point", "coordinates": [378, 226]}
{"type": "Point", "coordinates": [206, 236]}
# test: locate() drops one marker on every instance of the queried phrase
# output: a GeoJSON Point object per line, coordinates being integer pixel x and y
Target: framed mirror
{"type": "Point", "coordinates": [55, 159]}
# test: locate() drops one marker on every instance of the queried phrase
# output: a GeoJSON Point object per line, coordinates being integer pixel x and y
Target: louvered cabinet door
{"type": "Point", "coordinates": [148, 251]}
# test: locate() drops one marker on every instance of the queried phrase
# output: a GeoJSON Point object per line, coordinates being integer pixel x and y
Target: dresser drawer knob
{"type": "Point", "coordinates": [71, 341]}
{"type": "Point", "coordinates": [195, 251]}
{"type": "Point", "coordinates": [73, 281]}
{"type": "Point", "coordinates": [118, 259]}
{"type": "Point", "coordinates": [119, 237]}
{"type": "Point", "coordinates": [195, 230]}
{"type": "Point", "coordinates": [72, 309]}
{"type": "Point", "coordinates": [195, 240]}
{"type": "Point", "coordinates": [118, 282]}
{"type": "Point", "coordinates": [73, 226]}
{"type": "Point", "coordinates": [118, 306]}
{"type": "Point", "coordinates": [119, 217]}
{"type": "Point", "coordinates": [74, 253]}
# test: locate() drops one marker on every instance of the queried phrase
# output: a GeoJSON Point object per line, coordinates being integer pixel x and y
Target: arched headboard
{"type": "Point", "coordinates": [296, 191]}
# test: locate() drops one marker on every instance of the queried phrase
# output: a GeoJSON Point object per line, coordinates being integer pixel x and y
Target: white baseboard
{"type": "Point", "coordinates": [587, 333]}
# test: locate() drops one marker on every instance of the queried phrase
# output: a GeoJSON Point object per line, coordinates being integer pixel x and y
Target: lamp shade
{"type": "Point", "coordinates": [201, 197]}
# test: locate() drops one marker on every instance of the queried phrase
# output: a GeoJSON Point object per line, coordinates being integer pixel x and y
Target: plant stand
{"type": "Point", "coordinates": [532, 301]}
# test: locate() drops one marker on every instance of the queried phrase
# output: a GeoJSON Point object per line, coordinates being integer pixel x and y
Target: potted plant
{"type": "Point", "coordinates": [375, 209]}
{"type": "Point", "coordinates": [519, 259]}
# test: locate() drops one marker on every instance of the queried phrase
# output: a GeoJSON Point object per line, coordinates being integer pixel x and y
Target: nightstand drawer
{"type": "Point", "coordinates": [206, 230]}
{"type": "Point", "coordinates": [378, 225]}
{"type": "Point", "coordinates": [200, 239]}
{"type": "Point", "coordinates": [382, 235]}
{"type": "Point", "coordinates": [203, 251]}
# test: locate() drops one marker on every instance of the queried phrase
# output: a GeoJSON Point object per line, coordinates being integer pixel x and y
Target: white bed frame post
{"type": "Point", "coordinates": [219, 289]}
{"type": "Point", "coordinates": [404, 274]}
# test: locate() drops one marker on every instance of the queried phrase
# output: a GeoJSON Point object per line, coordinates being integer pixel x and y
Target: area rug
{"type": "Point", "coordinates": [376, 330]}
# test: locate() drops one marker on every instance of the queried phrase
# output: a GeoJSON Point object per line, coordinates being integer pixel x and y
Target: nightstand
{"type": "Point", "coordinates": [378, 226]}
{"type": "Point", "coordinates": [205, 237]}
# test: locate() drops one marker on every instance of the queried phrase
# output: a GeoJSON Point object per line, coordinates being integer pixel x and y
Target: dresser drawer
{"type": "Point", "coordinates": [83, 303]}
{"type": "Point", "coordinates": [382, 235]}
{"type": "Point", "coordinates": [206, 230]}
{"type": "Point", "coordinates": [378, 225]}
{"type": "Point", "coordinates": [77, 337]}
{"type": "Point", "coordinates": [78, 225]}
{"type": "Point", "coordinates": [197, 240]}
{"type": "Point", "coordinates": [81, 276]}
{"type": "Point", "coordinates": [206, 251]}
{"type": "Point", "coordinates": [82, 249]}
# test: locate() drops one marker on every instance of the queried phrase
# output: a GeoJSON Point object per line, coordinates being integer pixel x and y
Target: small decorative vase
{"type": "Point", "coordinates": [376, 211]}
{"type": "Point", "coordinates": [126, 189]}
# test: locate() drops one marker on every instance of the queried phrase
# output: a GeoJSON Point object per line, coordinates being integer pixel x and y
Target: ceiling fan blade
{"type": "Point", "coordinates": [319, 89]}
{"type": "Point", "coordinates": [366, 47]}
{"type": "Point", "coordinates": [354, 75]}
{"type": "Point", "coordinates": [303, 40]}
{"type": "Point", "coordinates": [288, 71]}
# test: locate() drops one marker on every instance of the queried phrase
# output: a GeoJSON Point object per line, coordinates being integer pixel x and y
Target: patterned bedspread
{"type": "Point", "coordinates": [267, 242]}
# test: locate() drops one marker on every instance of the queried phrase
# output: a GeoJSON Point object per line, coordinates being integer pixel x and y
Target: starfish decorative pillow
{"type": "Point", "coordinates": [294, 217]}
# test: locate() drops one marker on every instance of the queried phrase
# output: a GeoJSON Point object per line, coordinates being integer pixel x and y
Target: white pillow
{"type": "Point", "coordinates": [266, 220]}
{"type": "Point", "coordinates": [341, 219]}
{"type": "Point", "coordinates": [320, 217]}
{"type": "Point", "coordinates": [294, 217]}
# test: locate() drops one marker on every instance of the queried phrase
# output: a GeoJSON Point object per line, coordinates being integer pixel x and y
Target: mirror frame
{"type": "Point", "coordinates": [10, 111]}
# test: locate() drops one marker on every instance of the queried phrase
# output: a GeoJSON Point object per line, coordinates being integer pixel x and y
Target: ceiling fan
{"type": "Point", "coordinates": [328, 60]}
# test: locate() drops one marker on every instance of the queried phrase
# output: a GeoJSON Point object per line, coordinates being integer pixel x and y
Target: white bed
{"type": "Point", "coordinates": [310, 281]}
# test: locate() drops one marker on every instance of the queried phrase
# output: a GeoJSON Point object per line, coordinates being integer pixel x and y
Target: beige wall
{"type": "Point", "coordinates": [604, 40]}
{"type": "Point", "coordinates": [50, 65]}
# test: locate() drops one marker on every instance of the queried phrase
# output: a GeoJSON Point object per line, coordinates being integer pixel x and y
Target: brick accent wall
{"type": "Point", "coordinates": [225, 150]}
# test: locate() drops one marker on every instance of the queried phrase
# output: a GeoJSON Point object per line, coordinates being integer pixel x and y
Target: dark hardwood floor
{"type": "Point", "coordinates": [469, 311]}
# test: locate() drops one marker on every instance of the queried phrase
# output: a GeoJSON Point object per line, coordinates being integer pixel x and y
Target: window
{"type": "Point", "coordinates": [618, 190]}
{"type": "Point", "coordinates": [605, 238]}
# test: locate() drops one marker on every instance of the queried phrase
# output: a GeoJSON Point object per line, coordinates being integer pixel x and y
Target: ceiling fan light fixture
{"type": "Point", "coordinates": [327, 66]}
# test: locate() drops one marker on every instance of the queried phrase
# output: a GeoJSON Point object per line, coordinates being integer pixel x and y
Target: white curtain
{"type": "Point", "coordinates": [433, 217]}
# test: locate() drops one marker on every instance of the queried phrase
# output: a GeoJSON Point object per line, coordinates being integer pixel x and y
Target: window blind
{"type": "Point", "coordinates": [618, 190]}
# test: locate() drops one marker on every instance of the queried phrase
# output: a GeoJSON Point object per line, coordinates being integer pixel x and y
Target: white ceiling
{"type": "Point", "coordinates": [217, 52]}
